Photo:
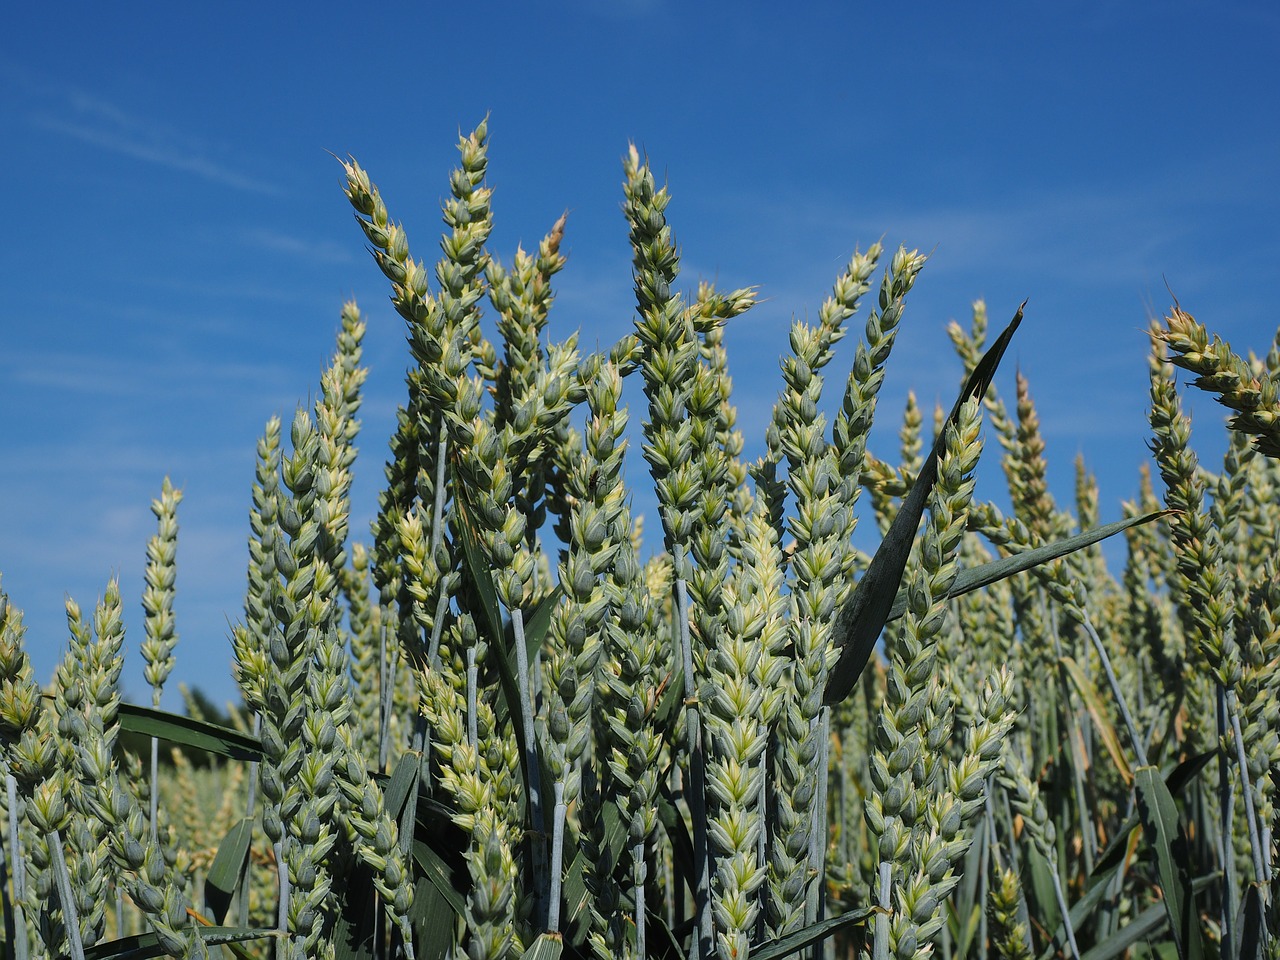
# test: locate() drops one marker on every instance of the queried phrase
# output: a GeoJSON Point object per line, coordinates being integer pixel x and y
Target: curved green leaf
{"type": "Point", "coordinates": [146, 945]}
{"type": "Point", "coordinates": [1177, 781]}
{"type": "Point", "coordinates": [806, 936]}
{"type": "Point", "coordinates": [1093, 703]}
{"type": "Point", "coordinates": [860, 621]}
{"type": "Point", "coordinates": [988, 573]}
{"type": "Point", "coordinates": [1149, 922]}
{"type": "Point", "coordinates": [1252, 938]}
{"type": "Point", "coordinates": [1164, 832]}
{"type": "Point", "coordinates": [548, 946]}
{"type": "Point", "coordinates": [227, 869]}
{"type": "Point", "coordinates": [188, 732]}
{"type": "Point", "coordinates": [437, 871]}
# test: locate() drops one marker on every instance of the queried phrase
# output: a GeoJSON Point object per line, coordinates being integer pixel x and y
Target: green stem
{"type": "Point", "coordinates": [557, 857]}
{"type": "Point", "coordinates": [251, 799]}
{"type": "Point", "coordinates": [19, 934]}
{"type": "Point", "coordinates": [155, 783]}
{"type": "Point", "coordinates": [536, 820]}
{"type": "Point", "coordinates": [1260, 871]}
{"type": "Point", "coordinates": [815, 908]}
{"type": "Point", "coordinates": [1224, 829]}
{"type": "Point", "coordinates": [384, 697]}
{"type": "Point", "coordinates": [1065, 910]}
{"type": "Point", "coordinates": [696, 796]}
{"type": "Point", "coordinates": [437, 523]}
{"type": "Point", "coordinates": [66, 899]}
{"type": "Point", "coordinates": [880, 947]}
{"type": "Point", "coordinates": [1139, 751]}
{"type": "Point", "coordinates": [639, 873]}
{"type": "Point", "coordinates": [473, 735]}
{"type": "Point", "coordinates": [282, 914]}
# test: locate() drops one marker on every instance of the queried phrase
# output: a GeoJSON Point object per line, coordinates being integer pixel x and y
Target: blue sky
{"type": "Point", "coordinates": [179, 248]}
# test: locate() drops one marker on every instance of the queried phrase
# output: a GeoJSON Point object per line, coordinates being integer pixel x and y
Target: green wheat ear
{"type": "Point", "coordinates": [1254, 398]}
{"type": "Point", "coordinates": [592, 755]}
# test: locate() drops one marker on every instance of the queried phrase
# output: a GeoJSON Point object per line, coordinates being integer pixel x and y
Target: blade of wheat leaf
{"type": "Point", "coordinates": [672, 699]}
{"type": "Point", "coordinates": [964, 931]}
{"type": "Point", "coordinates": [434, 929]}
{"type": "Point", "coordinates": [1045, 909]}
{"type": "Point", "coordinates": [477, 567]}
{"type": "Point", "coordinates": [187, 732]}
{"type": "Point", "coordinates": [1093, 703]}
{"type": "Point", "coordinates": [441, 877]}
{"type": "Point", "coordinates": [435, 837]}
{"type": "Point", "coordinates": [535, 628]}
{"type": "Point", "coordinates": [1149, 922]}
{"type": "Point", "coordinates": [967, 898]}
{"type": "Point", "coordinates": [974, 578]}
{"type": "Point", "coordinates": [396, 788]}
{"type": "Point", "coordinates": [548, 946]}
{"type": "Point", "coordinates": [865, 613]}
{"type": "Point", "coordinates": [147, 945]}
{"type": "Point", "coordinates": [354, 928]}
{"type": "Point", "coordinates": [806, 936]}
{"type": "Point", "coordinates": [1253, 928]}
{"type": "Point", "coordinates": [1164, 833]}
{"type": "Point", "coordinates": [574, 889]}
{"type": "Point", "coordinates": [227, 869]}
{"type": "Point", "coordinates": [663, 941]}
{"type": "Point", "coordinates": [1082, 909]}
{"type": "Point", "coordinates": [1176, 781]}
{"type": "Point", "coordinates": [681, 842]}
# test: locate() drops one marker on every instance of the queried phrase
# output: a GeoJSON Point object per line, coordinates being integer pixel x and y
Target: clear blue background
{"type": "Point", "coordinates": [178, 247]}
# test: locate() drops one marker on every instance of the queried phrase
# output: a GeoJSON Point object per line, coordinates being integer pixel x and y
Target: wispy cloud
{"type": "Point", "coordinates": [72, 112]}
{"type": "Point", "coordinates": [315, 251]}
{"type": "Point", "coordinates": [87, 373]}
{"type": "Point", "coordinates": [1063, 230]}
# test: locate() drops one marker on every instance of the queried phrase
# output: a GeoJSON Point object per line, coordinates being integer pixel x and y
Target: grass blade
{"type": "Point", "coordinates": [435, 930]}
{"type": "Point", "coordinates": [806, 936]}
{"type": "Point", "coordinates": [1093, 703]}
{"type": "Point", "coordinates": [988, 573]}
{"type": "Point", "coordinates": [188, 732]}
{"type": "Point", "coordinates": [227, 869]}
{"type": "Point", "coordinates": [860, 621]}
{"type": "Point", "coordinates": [437, 871]}
{"type": "Point", "coordinates": [1253, 924]}
{"type": "Point", "coordinates": [548, 946]}
{"type": "Point", "coordinates": [477, 567]}
{"type": "Point", "coordinates": [1168, 840]}
{"type": "Point", "coordinates": [147, 945]}
{"type": "Point", "coordinates": [1177, 781]}
{"type": "Point", "coordinates": [1141, 927]}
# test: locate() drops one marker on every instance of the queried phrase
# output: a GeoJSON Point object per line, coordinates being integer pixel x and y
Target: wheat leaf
{"type": "Point", "coordinates": [1165, 835]}
{"type": "Point", "coordinates": [806, 936]}
{"type": "Point", "coordinates": [548, 946]}
{"type": "Point", "coordinates": [860, 621]}
{"type": "Point", "coordinates": [187, 732]}
{"type": "Point", "coordinates": [1093, 703]}
{"type": "Point", "coordinates": [227, 868]}
{"type": "Point", "coordinates": [147, 945]}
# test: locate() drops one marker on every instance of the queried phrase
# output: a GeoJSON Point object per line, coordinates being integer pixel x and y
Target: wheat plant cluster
{"type": "Point", "coordinates": [500, 725]}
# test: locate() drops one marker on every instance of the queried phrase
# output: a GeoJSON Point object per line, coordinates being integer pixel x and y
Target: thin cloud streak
{"type": "Point", "coordinates": [165, 155]}
{"type": "Point", "coordinates": [313, 251]}
{"type": "Point", "coordinates": [72, 112]}
{"type": "Point", "coordinates": [74, 372]}
{"type": "Point", "coordinates": [1106, 234]}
